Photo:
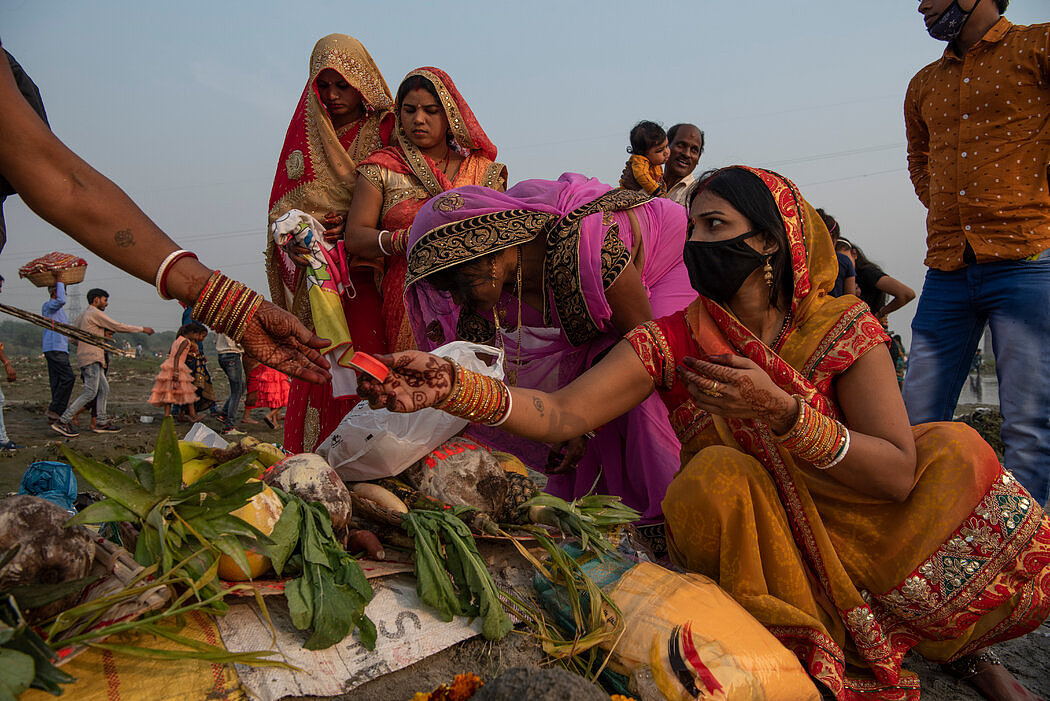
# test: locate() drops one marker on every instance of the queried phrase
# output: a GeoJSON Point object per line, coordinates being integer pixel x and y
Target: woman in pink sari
{"type": "Point", "coordinates": [438, 144]}
{"type": "Point", "coordinates": [564, 268]}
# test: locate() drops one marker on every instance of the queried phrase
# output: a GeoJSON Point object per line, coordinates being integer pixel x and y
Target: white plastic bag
{"type": "Point", "coordinates": [372, 443]}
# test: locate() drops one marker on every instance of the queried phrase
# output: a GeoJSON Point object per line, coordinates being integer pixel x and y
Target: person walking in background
{"type": "Point", "coordinates": [266, 388]}
{"type": "Point", "coordinates": [977, 121]}
{"type": "Point", "coordinates": [649, 152]}
{"type": "Point", "coordinates": [5, 442]}
{"type": "Point", "coordinates": [90, 359]}
{"type": "Point", "coordinates": [231, 357]}
{"type": "Point", "coordinates": [197, 362]}
{"type": "Point", "coordinates": [174, 383]}
{"type": "Point", "coordinates": [56, 353]}
{"type": "Point", "coordinates": [92, 406]}
{"type": "Point", "coordinates": [687, 145]}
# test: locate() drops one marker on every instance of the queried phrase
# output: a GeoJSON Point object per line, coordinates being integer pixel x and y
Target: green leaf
{"type": "Point", "coordinates": [143, 470]}
{"type": "Point", "coordinates": [335, 609]}
{"type": "Point", "coordinates": [104, 511]}
{"type": "Point", "coordinates": [300, 602]}
{"type": "Point", "coordinates": [16, 671]}
{"type": "Point", "coordinates": [36, 595]}
{"type": "Point", "coordinates": [112, 483]}
{"type": "Point", "coordinates": [285, 535]}
{"type": "Point", "coordinates": [432, 580]}
{"type": "Point", "coordinates": [367, 631]}
{"type": "Point", "coordinates": [167, 461]}
{"type": "Point", "coordinates": [223, 479]}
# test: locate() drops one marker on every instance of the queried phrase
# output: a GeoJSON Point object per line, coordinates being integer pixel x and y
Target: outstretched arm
{"type": "Point", "coordinates": [71, 195]}
{"type": "Point", "coordinates": [611, 388]}
{"type": "Point", "coordinates": [901, 293]}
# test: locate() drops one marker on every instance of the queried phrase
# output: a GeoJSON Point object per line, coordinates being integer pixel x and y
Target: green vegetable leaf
{"type": "Point", "coordinates": [33, 596]}
{"type": "Point", "coordinates": [112, 483]}
{"type": "Point", "coordinates": [285, 536]}
{"type": "Point", "coordinates": [103, 511]}
{"type": "Point", "coordinates": [300, 602]}
{"type": "Point", "coordinates": [16, 672]}
{"type": "Point", "coordinates": [143, 470]}
{"type": "Point", "coordinates": [167, 461]}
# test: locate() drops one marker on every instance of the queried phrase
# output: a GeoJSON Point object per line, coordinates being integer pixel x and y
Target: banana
{"type": "Point", "coordinates": [193, 470]}
{"type": "Point", "coordinates": [191, 450]}
{"type": "Point", "coordinates": [268, 454]}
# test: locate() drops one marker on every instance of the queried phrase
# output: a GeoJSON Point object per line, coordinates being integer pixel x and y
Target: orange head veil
{"type": "Point", "coordinates": [466, 130]}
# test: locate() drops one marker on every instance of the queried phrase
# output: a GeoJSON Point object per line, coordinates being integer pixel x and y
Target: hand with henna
{"type": "Point", "coordinates": [277, 339]}
{"type": "Point", "coordinates": [334, 224]}
{"type": "Point", "coordinates": [737, 388]}
{"type": "Point", "coordinates": [417, 380]}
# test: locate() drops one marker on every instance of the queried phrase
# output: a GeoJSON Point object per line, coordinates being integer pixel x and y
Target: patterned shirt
{"type": "Point", "coordinates": [978, 131]}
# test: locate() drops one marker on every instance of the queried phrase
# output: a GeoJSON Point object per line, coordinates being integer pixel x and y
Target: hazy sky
{"type": "Point", "coordinates": [185, 105]}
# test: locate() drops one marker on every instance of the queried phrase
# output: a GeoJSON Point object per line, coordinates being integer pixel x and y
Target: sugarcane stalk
{"type": "Point", "coordinates": [69, 330]}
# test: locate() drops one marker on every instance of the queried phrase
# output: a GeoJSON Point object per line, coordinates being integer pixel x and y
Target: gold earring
{"type": "Point", "coordinates": [767, 273]}
{"type": "Point", "coordinates": [493, 275]}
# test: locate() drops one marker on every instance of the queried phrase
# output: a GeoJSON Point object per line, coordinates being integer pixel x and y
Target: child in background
{"type": "Point", "coordinates": [649, 151]}
{"type": "Point", "coordinates": [266, 388]}
{"type": "Point", "coordinates": [174, 383]}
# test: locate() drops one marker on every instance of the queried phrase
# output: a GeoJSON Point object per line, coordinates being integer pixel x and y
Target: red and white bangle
{"type": "Point", "coordinates": [160, 281]}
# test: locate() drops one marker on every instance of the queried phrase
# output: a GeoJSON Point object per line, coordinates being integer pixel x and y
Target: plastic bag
{"type": "Point", "coordinates": [372, 443]}
{"type": "Point", "coordinates": [54, 481]}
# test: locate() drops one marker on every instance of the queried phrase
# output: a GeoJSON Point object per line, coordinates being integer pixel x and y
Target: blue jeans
{"type": "Point", "coordinates": [1013, 298]}
{"type": "Point", "coordinates": [233, 367]}
{"type": "Point", "coordinates": [95, 387]}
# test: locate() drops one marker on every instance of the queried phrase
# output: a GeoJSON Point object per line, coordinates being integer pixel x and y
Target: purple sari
{"type": "Point", "coordinates": [591, 232]}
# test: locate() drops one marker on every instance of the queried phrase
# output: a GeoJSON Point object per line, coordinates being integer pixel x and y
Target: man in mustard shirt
{"type": "Point", "coordinates": [978, 127]}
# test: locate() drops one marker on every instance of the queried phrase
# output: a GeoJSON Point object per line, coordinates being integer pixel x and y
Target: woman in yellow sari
{"type": "Point", "coordinates": [804, 493]}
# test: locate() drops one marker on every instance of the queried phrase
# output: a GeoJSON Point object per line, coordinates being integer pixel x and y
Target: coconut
{"type": "Point", "coordinates": [311, 478]}
{"type": "Point", "coordinates": [49, 552]}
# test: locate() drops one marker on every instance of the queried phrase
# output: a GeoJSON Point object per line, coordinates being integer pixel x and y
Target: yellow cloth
{"type": "Point", "coordinates": [112, 676]}
{"type": "Point", "coordinates": [649, 177]}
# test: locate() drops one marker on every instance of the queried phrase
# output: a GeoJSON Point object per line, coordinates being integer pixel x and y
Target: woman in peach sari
{"type": "Point", "coordinates": [804, 493]}
{"type": "Point", "coordinates": [343, 115]}
{"type": "Point", "coordinates": [438, 145]}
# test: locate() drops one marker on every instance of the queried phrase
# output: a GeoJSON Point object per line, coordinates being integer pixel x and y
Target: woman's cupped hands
{"type": "Point", "coordinates": [737, 388]}
{"type": "Point", "coordinates": [416, 380]}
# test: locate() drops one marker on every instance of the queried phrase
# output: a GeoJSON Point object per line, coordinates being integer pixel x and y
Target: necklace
{"type": "Point", "coordinates": [445, 161]}
{"type": "Point", "coordinates": [512, 376]}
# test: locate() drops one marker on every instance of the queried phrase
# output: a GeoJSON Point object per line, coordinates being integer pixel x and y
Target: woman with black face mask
{"type": "Point", "coordinates": [804, 493]}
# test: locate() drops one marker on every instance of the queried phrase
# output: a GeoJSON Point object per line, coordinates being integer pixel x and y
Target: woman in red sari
{"type": "Point", "coordinates": [343, 115]}
{"type": "Point", "coordinates": [804, 493]}
{"type": "Point", "coordinates": [438, 145]}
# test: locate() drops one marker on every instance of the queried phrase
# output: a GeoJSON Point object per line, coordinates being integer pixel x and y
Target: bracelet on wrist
{"type": "Point", "coordinates": [476, 397]}
{"type": "Point", "coordinates": [379, 241]}
{"type": "Point", "coordinates": [161, 278]}
{"type": "Point", "coordinates": [226, 306]}
{"type": "Point", "coordinates": [815, 438]}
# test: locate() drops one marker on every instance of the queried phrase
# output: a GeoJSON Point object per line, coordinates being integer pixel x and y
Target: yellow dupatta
{"type": "Point", "coordinates": [848, 582]}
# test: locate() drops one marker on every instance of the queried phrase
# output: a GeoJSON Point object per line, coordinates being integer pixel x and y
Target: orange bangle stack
{"type": "Point", "coordinates": [817, 439]}
{"type": "Point", "coordinates": [226, 306]}
{"type": "Point", "coordinates": [476, 397]}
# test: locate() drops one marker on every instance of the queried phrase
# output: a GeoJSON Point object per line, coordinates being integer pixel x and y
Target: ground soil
{"type": "Point", "coordinates": [131, 379]}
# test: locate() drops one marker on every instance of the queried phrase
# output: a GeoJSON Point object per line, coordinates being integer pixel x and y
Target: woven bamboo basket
{"type": "Point", "coordinates": [69, 276]}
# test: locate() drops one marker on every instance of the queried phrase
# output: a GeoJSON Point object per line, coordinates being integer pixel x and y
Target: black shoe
{"type": "Point", "coordinates": [108, 427]}
{"type": "Point", "coordinates": [65, 428]}
{"type": "Point", "coordinates": [10, 445]}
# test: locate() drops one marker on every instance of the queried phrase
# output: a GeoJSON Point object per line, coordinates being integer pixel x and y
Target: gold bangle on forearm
{"type": "Point", "coordinates": [226, 306]}
{"type": "Point", "coordinates": [815, 438]}
{"type": "Point", "coordinates": [476, 397]}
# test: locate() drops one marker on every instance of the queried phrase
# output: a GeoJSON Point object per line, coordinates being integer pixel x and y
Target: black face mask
{"type": "Point", "coordinates": [950, 24]}
{"type": "Point", "coordinates": [717, 269]}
